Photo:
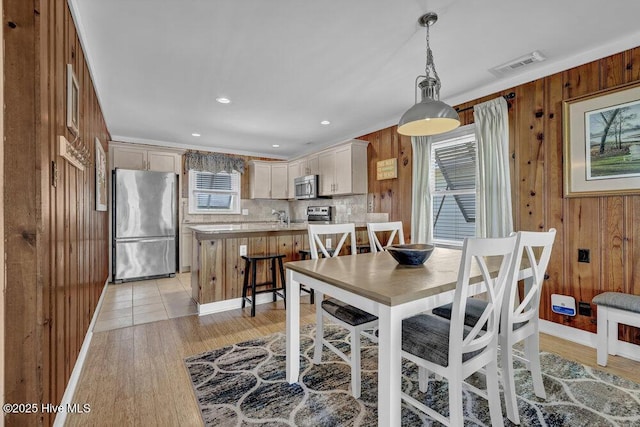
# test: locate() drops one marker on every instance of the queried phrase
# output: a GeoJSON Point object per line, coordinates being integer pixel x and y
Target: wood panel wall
{"type": "Point", "coordinates": [392, 196]}
{"type": "Point", "coordinates": [607, 226]}
{"type": "Point", "coordinates": [56, 242]}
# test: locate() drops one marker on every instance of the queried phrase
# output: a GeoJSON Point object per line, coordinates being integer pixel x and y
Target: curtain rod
{"type": "Point", "coordinates": [508, 96]}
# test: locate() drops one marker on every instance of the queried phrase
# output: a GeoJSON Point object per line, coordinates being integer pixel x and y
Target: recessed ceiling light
{"type": "Point", "coordinates": [195, 134]}
{"type": "Point", "coordinates": [223, 100]}
{"type": "Point", "coordinates": [325, 122]}
{"type": "Point", "coordinates": [275, 145]}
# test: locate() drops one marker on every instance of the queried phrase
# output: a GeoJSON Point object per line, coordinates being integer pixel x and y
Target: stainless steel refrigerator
{"type": "Point", "coordinates": [145, 224]}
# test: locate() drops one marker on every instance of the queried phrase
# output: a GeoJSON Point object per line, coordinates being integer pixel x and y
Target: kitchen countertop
{"type": "Point", "coordinates": [247, 226]}
{"type": "Point", "coordinates": [212, 231]}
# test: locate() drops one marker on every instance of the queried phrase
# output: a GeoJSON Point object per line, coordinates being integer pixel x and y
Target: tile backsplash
{"type": "Point", "coordinates": [347, 209]}
{"type": "Point", "coordinates": [259, 210]}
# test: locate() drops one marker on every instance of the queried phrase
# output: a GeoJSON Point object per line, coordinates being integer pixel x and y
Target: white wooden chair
{"type": "Point", "coordinates": [353, 319]}
{"type": "Point", "coordinates": [519, 318]}
{"type": "Point", "coordinates": [374, 227]}
{"type": "Point", "coordinates": [452, 350]}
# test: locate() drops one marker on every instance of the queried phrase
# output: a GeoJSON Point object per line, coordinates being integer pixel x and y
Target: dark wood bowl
{"type": "Point", "coordinates": [414, 254]}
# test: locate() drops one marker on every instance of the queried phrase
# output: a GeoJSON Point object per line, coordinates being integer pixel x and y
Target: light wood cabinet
{"type": "Point", "coordinates": [279, 182]}
{"type": "Point", "coordinates": [294, 169]}
{"type": "Point", "coordinates": [163, 162]}
{"type": "Point", "coordinates": [343, 169]}
{"type": "Point", "coordinates": [312, 166]}
{"type": "Point", "coordinates": [129, 158]}
{"type": "Point", "coordinates": [268, 180]}
{"type": "Point", "coordinates": [186, 240]}
{"type": "Point", "coordinates": [259, 180]}
{"type": "Point", "coordinates": [145, 159]}
{"type": "Point", "coordinates": [327, 172]}
{"type": "Point", "coordinates": [308, 165]}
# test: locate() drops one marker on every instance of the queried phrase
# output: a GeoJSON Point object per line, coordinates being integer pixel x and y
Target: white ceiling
{"type": "Point", "coordinates": [289, 64]}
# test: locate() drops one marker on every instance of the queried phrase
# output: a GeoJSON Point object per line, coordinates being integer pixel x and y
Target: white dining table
{"type": "Point", "coordinates": [376, 283]}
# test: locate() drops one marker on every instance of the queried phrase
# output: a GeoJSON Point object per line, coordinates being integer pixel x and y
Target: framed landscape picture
{"type": "Point", "coordinates": [602, 143]}
{"type": "Point", "coordinates": [101, 177]}
{"type": "Point", "coordinates": [73, 101]}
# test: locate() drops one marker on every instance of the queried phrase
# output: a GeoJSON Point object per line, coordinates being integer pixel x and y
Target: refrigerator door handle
{"type": "Point", "coordinates": [148, 240]}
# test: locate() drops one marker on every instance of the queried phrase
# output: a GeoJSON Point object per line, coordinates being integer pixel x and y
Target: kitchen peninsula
{"type": "Point", "coordinates": [217, 270]}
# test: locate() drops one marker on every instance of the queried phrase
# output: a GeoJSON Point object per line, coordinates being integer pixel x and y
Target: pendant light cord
{"type": "Point", "coordinates": [431, 65]}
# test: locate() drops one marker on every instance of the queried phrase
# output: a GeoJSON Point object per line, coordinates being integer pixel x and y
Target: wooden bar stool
{"type": "Point", "coordinates": [250, 269]}
{"type": "Point", "coordinates": [305, 254]}
{"type": "Point", "coordinates": [361, 249]}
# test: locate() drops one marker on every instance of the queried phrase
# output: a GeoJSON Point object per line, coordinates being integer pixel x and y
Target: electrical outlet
{"type": "Point", "coordinates": [245, 211]}
{"type": "Point", "coordinates": [327, 244]}
{"type": "Point", "coordinates": [584, 309]}
{"type": "Point", "coordinates": [243, 250]}
{"type": "Point", "coordinates": [584, 255]}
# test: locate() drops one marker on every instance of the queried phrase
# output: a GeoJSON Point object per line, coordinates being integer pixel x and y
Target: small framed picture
{"type": "Point", "coordinates": [73, 101]}
{"type": "Point", "coordinates": [101, 177]}
{"type": "Point", "coordinates": [602, 143]}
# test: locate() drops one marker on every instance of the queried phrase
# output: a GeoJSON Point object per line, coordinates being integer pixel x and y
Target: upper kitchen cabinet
{"type": "Point", "coordinates": [279, 175]}
{"type": "Point", "coordinates": [126, 156]}
{"type": "Point", "coordinates": [302, 167]}
{"type": "Point", "coordinates": [343, 169]}
{"type": "Point", "coordinates": [294, 168]}
{"type": "Point", "coordinates": [268, 180]}
{"type": "Point", "coordinates": [312, 164]}
{"type": "Point", "coordinates": [309, 165]}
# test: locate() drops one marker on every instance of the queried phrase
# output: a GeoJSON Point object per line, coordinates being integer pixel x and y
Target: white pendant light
{"type": "Point", "coordinates": [429, 116]}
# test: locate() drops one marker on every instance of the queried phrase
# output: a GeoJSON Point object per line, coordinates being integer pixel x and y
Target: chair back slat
{"type": "Point", "coordinates": [537, 246]}
{"type": "Point", "coordinates": [474, 259]}
{"type": "Point", "coordinates": [316, 231]}
{"type": "Point", "coordinates": [394, 227]}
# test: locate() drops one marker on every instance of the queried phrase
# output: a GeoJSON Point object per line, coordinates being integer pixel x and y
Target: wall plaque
{"type": "Point", "coordinates": [387, 169]}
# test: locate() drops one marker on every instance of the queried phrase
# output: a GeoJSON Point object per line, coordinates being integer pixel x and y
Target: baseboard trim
{"type": "Point", "coordinates": [230, 304]}
{"type": "Point", "coordinates": [70, 391]}
{"type": "Point", "coordinates": [625, 349]}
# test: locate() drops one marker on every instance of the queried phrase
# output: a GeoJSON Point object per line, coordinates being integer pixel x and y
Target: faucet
{"type": "Point", "coordinates": [282, 216]}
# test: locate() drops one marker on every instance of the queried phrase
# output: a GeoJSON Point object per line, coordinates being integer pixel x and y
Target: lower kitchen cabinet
{"type": "Point", "coordinates": [186, 239]}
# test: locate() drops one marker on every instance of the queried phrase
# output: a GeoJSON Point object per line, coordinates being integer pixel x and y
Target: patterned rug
{"type": "Point", "coordinates": [244, 385]}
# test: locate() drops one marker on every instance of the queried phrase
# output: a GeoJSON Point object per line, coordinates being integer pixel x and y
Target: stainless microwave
{"type": "Point", "coordinates": [306, 187]}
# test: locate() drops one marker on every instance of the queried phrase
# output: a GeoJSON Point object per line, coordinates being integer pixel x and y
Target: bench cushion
{"type": "Point", "coordinates": [619, 300]}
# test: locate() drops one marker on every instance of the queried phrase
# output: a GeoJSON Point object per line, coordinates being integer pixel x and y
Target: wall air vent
{"type": "Point", "coordinates": [517, 64]}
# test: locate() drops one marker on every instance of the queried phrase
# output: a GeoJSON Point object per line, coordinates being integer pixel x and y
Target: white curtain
{"type": "Point", "coordinates": [494, 214]}
{"type": "Point", "coordinates": [421, 221]}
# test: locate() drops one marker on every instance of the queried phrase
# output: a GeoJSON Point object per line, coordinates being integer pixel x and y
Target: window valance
{"type": "Point", "coordinates": [213, 162]}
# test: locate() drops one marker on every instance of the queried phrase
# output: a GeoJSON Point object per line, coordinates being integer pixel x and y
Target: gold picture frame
{"type": "Point", "coordinates": [73, 101]}
{"type": "Point", "coordinates": [101, 177]}
{"type": "Point", "coordinates": [602, 143]}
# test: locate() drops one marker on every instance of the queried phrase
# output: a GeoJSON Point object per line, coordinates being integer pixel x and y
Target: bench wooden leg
{"type": "Point", "coordinates": [612, 335]}
{"type": "Point", "coordinates": [602, 340]}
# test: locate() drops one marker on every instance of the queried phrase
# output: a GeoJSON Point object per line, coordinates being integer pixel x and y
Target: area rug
{"type": "Point", "coordinates": [244, 384]}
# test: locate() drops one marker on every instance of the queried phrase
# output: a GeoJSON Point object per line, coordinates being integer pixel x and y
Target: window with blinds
{"type": "Point", "coordinates": [214, 193]}
{"type": "Point", "coordinates": [454, 188]}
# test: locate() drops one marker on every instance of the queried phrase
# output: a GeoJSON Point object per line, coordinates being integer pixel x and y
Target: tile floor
{"type": "Point", "coordinates": [133, 303]}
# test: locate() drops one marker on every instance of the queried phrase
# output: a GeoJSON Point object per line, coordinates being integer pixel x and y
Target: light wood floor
{"type": "Point", "coordinates": [136, 375]}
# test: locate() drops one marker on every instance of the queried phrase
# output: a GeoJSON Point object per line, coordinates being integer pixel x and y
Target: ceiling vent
{"type": "Point", "coordinates": [517, 64]}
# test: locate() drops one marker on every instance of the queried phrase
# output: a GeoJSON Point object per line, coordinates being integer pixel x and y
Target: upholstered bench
{"type": "Point", "coordinates": [614, 308]}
